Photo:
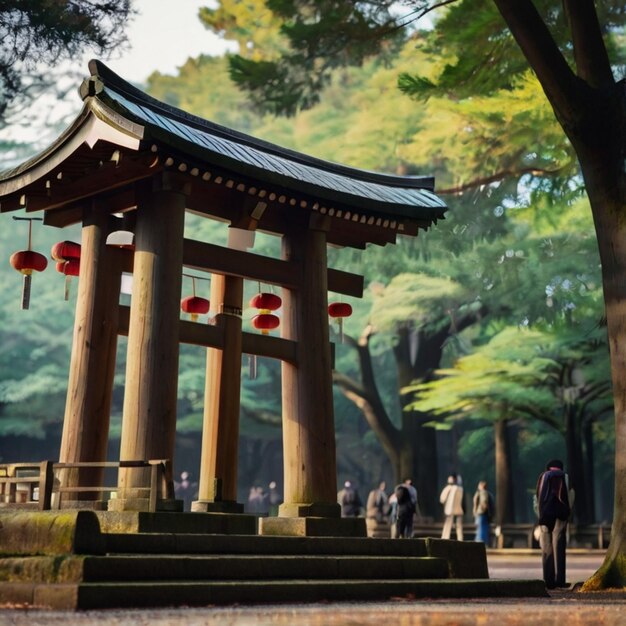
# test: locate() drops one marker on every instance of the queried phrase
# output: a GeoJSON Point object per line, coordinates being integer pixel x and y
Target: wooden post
{"type": "Point", "coordinates": [149, 414]}
{"type": "Point", "coordinates": [217, 488]}
{"type": "Point", "coordinates": [92, 365]}
{"type": "Point", "coordinates": [308, 418]}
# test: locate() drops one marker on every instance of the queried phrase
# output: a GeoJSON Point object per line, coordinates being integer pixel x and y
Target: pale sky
{"type": "Point", "coordinates": [163, 36]}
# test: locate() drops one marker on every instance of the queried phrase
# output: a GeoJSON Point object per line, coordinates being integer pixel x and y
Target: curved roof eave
{"type": "Point", "coordinates": [92, 124]}
{"type": "Point", "coordinates": [399, 196]}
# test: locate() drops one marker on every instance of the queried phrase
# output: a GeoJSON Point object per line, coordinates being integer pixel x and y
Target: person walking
{"type": "Point", "coordinates": [452, 500]}
{"type": "Point", "coordinates": [553, 500]}
{"type": "Point", "coordinates": [483, 511]}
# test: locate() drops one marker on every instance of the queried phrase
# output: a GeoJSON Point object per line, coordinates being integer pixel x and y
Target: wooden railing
{"type": "Point", "coordinates": [37, 486]}
{"type": "Point", "coordinates": [595, 536]}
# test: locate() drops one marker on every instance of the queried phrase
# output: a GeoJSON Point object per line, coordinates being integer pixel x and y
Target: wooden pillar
{"type": "Point", "coordinates": [217, 490]}
{"type": "Point", "coordinates": [92, 365]}
{"type": "Point", "coordinates": [149, 414]}
{"type": "Point", "coordinates": [308, 418]}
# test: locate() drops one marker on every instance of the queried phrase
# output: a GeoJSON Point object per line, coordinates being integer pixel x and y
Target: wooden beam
{"type": "Point", "coordinates": [210, 336]}
{"type": "Point", "coordinates": [220, 260]}
{"type": "Point", "coordinates": [345, 283]}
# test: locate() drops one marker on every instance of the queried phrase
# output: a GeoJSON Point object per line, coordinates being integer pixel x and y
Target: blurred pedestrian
{"type": "Point", "coordinates": [483, 511]}
{"type": "Point", "coordinates": [377, 506]}
{"type": "Point", "coordinates": [274, 499]}
{"type": "Point", "coordinates": [405, 510]}
{"type": "Point", "coordinates": [452, 500]}
{"type": "Point", "coordinates": [349, 499]}
{"type": "Point", "coordinates": [185, 490]}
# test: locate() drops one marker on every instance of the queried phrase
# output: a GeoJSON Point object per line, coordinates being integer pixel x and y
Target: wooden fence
{"type": "Point", "coordinates": [37, 485]}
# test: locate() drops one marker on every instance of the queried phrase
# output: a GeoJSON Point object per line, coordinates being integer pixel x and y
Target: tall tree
{"type": "Point", "coordinates": [569, 48]}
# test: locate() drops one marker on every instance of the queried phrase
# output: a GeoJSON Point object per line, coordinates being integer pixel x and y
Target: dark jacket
{"type": "Point", "coordinates": [552, 497]}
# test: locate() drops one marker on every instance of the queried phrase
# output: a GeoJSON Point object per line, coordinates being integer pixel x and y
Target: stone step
{"type": "Point", "coordinates": [196, 523]}
{"type": "Point", "coordinates": [161, 594]}
{"type": "Point", "coordinates": [188, 543]}
{"type": "Point", "coordinates": [218, 567]}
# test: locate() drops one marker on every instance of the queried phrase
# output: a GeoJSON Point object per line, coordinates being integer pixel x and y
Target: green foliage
{"type": "Point", "coordinates": [414, 299]}
{"type": "Point", "coordinates": [40, 32]}
{"type": "Point", "coordinates": [504, 378]}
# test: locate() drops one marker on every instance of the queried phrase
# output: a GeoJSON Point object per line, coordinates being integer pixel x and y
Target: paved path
{"type": "Point", "coordinates": [527, 564]}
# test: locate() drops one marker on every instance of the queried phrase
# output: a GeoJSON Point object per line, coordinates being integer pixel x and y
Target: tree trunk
{"type": "Point", "coordinates": [609, 208]}
{"type": "Point", "coordinates": [504, 500]}
{"type": "Point", "coordinates": [587, 436]}
{"type": "Point", "coordinates": [575, 465]}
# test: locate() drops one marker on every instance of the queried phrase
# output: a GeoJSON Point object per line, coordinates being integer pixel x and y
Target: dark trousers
{"type": "Point", "coordinates": [404, 525]}
{"type": "Point", "coordinates": [552, 542]}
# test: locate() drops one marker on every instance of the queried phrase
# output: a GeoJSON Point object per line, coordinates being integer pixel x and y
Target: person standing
{"type": "Point", "coordinates": [553, 507]}
{"type": "Point", "coordinates": [483, 511]}
{"type": "Point", "coordinates": [349, 500]}
{"type": "Point", "coordinates": [377, 506]}
{"type": "Point", "coordinates": [452, 500]}
{"type": "Point", "coordinates": [405, 510]}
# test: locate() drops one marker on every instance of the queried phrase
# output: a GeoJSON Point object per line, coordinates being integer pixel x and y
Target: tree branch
{"type": "Point", "coordinates": [559, 82]}
{"type": "Point", "coordinates": [373, 411]}
{"type": "Point", "coordinates": [498, 176]}
{"type": "Point", "coordinates": [592, 59]}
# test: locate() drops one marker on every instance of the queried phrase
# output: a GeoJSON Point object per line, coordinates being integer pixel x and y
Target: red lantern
{"type": "Point", "coordinates": [339, 310]}
{"type": "Point", "coordinates": [194, 305]}
{"type": "Point", "coordinates": [65, 250]}
{"type": "Point", "coordinates": [266, 301]}
{"type": "Point", "coordinates": [26, 262]}
{"type": "Point", "coordinates": [69, 268]}
{"type": "Point", "coordinates": [67, 255]}
{"type": "Point", "coordinates": [265, 322]}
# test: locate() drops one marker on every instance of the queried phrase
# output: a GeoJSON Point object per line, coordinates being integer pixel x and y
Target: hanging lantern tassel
{"type": "Point", "coordinates": [67, 256]}
{"type": "Point", "coordinates": [26, 262]}
{"type": "Point", "coordinates": [339, 310]}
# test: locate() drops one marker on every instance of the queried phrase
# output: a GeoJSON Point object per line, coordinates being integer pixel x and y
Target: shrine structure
{"type": "Point", "coordinates": [128, 169]}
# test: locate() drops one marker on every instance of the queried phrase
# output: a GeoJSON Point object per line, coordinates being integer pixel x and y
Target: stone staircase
{"type": "Point", "coordinates": [166, 567]}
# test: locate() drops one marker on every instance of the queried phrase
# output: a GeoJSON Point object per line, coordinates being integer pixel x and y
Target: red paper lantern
{"type": "Point", "coordinates": [69, 268]}
{"type": "Point", "coordinates": [339, 309]}
{"type": "Point", "coordinates": [26, 262]}
{"type": "Point", "coordinates": [265, 322]}
{"type": "Point", "coordinates": [64, 251]}
{"type": "Point", "coordinates": [194, 305]}
{"type": "Point", "coordinates": [67, 256]}
{"type": "Point", "coordinates": [266, 301]}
